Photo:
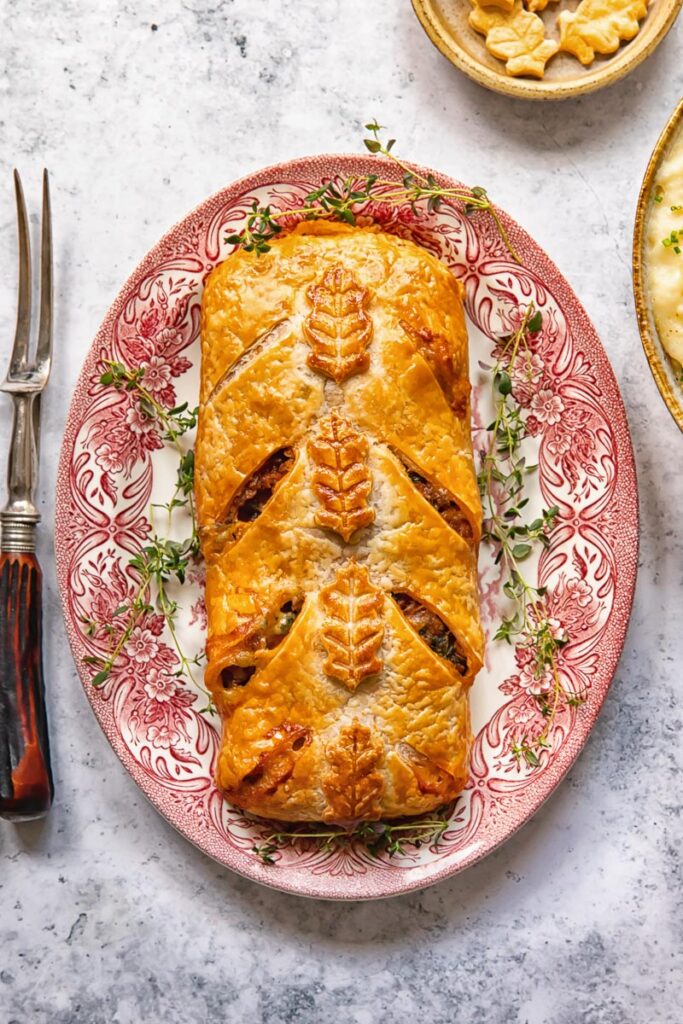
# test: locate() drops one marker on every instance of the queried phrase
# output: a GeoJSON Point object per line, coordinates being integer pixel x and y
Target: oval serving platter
{"type": "Point", "coordinates": [111, 469]}
{"type": "Point", "coordinates": [663, 370]}
{"type": "Point", "coordinates": [446, 24]}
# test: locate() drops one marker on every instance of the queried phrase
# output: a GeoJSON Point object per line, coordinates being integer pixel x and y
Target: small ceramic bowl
{"type": "Point", "coordinates": [446, 24]}
{"type": "Point", "coordinates": [661, 365]}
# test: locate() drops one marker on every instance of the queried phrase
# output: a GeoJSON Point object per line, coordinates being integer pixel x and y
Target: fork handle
{"type": "Point", "coordinates": [26, 788]}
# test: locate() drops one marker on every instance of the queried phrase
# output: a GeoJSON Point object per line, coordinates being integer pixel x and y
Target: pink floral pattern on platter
{"type": "Point", "coordinates": [157, 721]}
{"type": "Point", "coordinates": [151, 337]}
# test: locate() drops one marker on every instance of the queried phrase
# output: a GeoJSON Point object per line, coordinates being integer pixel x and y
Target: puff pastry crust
{"type": "Point", "coordinates": [339, 519]}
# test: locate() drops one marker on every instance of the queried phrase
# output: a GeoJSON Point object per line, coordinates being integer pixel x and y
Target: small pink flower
{"type": "Point", "coordinates": [515, 317]}
{"type": "Point", "coordinates": [158, 686]}
{"type": "Point", "coordinates": [547, 406]}
{"type": "Point", "coordinates": [138, 422]}
{"type": "Point", "coordinates": [168, 337]}
{"type": "Point", "coordinates": [523, 716]}
{"type": "Point", "coordinates": [533, 425]}
{"type": "Point", "coordinates": [162, 736]}
{"type": "Point", "coordinates": [560, 445]}
{"type": "Point", "coordinates": [531, 679]}
{"type": "Point", "coordinates": [579, 592]}
{"type": "Point", "coordinates": [557, 630]}
{"type": "Point", "coordinates": [537, 684]}
{"type": "Point", "coordinates": [142, 646]}
{"type": "Point", "coordinates": [108, 458]}
{"type": "Point", "coordinates": [527, 377]}
{"type": "Point", "coordinates": [157, 374]}
{"type": "Point", "coordinates": [528, 368]}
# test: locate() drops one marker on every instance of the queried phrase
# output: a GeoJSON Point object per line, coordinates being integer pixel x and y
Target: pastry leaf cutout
{"type": "Point", "coordinates": [353, 630]}
{"type": "Point", "coordinates": [517, 37]}
{"type": "Point", "coordinates": [353, 785]}
{"type": "Point", "coordinates": [599, 26]}
{"type": "Point", "coordinates": [338, 328]}
{"type": "Point", "coordinates": [340, 475]}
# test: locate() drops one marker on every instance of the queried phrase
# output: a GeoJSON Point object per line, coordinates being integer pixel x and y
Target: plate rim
{"type": "Point", "coordinates": [620, 64]}
{"type": "Point", "coordinates": [393, 882]}
{"type": "Point", "coordinates": [657, 357]}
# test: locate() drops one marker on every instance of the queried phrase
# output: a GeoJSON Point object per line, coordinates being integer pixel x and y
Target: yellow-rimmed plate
{"type": "Point", "coordinates": [663, 370]}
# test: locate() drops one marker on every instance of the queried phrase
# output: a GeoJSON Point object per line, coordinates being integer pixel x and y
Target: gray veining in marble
{"type": "Point", "coordinates": [140, 110]}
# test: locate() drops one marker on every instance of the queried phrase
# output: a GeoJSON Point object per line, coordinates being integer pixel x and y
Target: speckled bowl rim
{"type": "Point", "coordinates": [385, 881]}
{"type": "Point", "coordinates": [622, 63]}
{"type": "Point", "coordinates": [660, 364]}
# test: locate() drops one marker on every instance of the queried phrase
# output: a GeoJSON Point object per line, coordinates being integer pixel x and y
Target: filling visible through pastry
{"type": "Point", "coordinates": [247, 504]}
{"type": "Point", "coordinates": [433, 630]}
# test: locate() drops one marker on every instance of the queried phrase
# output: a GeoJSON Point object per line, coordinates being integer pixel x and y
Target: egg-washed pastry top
{"type": "Point", "coordinates": [339, 518]}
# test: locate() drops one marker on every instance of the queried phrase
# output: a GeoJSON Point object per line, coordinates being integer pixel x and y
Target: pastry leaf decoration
{"type": "Point", "coordinates": [517, 37]}
{"type": "Point", "coordinates": [599, 26]}
{"type": "Point", "coordinates": [341, 477]}
{"type": "Point", "coordinates": [353, 630]}
{"type": "Point", "coordinates": [338, 329]}
{"type": "Point", "coordinates": [353, 784]}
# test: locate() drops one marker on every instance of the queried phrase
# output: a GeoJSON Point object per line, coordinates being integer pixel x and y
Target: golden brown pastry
{"type": "Point", "coordinates": [339, 519]}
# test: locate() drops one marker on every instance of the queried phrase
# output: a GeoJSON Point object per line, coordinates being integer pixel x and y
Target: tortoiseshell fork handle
{"type": "Point", "coordinates": [26, 788]}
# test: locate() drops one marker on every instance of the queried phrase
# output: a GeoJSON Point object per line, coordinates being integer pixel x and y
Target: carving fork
{"type": "Point", "coordinates": [26, 788]}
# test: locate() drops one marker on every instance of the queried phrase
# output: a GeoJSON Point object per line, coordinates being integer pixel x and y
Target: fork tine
{"type": "Point", "coordinates": [44, 347]}
{"type": "Point", "coordinates": [21, 336]}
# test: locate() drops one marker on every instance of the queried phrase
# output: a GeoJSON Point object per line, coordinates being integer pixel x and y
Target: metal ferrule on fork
{"type": "Point", "coordinates": [19, 518]}
{"type": "Point", "coordinates": [18, 533]}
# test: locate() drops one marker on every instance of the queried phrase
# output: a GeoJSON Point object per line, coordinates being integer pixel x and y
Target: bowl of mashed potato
{"type": "Point", "coordinates": [658, 264]}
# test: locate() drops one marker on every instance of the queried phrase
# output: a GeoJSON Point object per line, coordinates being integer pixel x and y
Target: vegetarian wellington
{"type": "Point", "coordinates": [339, 518]}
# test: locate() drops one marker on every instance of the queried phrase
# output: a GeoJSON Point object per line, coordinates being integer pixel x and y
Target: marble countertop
{"type": "Point", "coordinates": [140, 110]}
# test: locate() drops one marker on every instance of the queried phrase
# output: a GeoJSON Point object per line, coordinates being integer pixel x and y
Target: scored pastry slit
{"type": "Point", "coordinates": [269, 337]}
{"type": "Point", "coordinates": [433, 631]}
{"type": "Point", "coordinates": [343, 695]}
{"type": "Point", "coordinates": [438, 497]}
{"type": "Point", "coordinates": [270, 634]}
{"type": "Point", "coordinates": [249, 500]}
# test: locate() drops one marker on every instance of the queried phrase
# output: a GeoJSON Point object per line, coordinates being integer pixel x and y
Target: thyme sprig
{"type": "Point", "coordinates": [162, 559]}
{"type": "Point", "coordinates": [377, 836]}
{"type": "Point", "coordinates": [502, 476]}
{"type": "Point", "coordinates": [339, 200]}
